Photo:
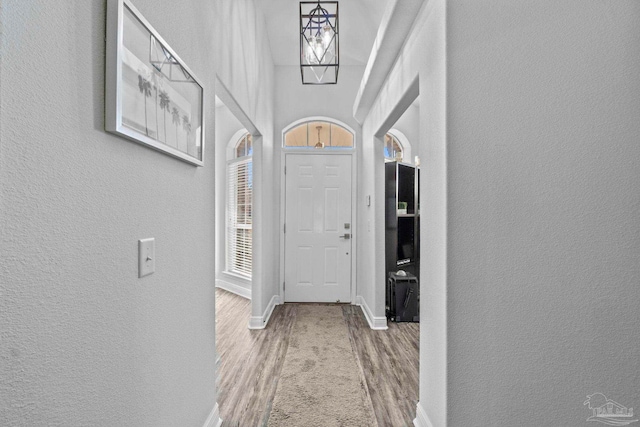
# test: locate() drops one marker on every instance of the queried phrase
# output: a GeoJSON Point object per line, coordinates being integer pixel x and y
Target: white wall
{"type": "Point", "coordinates": [409, 126]}
{"type": "Point", "coordinates": [84, 340]}
{"type": "Point", "coordinates": [530, 217]}
{"type": "Point", "coordinates": [245, 67]}
{"type": "Point", "coordinates": [420, 67]}
{"type": "Point", "coordinates": [295, 101]}
{"type": "Point", "coordinates": [544, 242]}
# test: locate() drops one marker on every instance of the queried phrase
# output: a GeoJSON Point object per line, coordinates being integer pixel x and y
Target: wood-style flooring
{"type": "Point", "coordinates": [251, 360]}
{"type": "Point", "coordinates": [389, 360]}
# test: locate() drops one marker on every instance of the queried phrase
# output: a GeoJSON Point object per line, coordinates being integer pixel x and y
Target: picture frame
{"type": "Point", "coordinates": [151, 95]}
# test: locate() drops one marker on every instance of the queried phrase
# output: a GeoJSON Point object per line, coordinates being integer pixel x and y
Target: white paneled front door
{"type": "Point", "coordinates": [318, 228]}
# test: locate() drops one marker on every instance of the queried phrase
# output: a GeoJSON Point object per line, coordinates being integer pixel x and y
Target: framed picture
{"type": "Point", "coordinates": [151, 97]}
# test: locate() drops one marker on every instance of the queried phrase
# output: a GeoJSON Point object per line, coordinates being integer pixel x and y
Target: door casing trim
{"type": "Point", "coordinates": [354, 211]}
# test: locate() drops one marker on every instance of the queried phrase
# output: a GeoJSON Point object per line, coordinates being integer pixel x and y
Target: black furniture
{"type": "Point", "coordinates": [402, 230]}
{"type": "Point", "coordinates": [403, 298]}
{"type": "Point", "coordinates": [402, 241]}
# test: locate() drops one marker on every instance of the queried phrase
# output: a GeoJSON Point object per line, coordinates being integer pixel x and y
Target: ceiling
{"type": "Point", "coordinates": [358, 26]}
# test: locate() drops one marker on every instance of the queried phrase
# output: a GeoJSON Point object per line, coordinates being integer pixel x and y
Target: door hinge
{"type": "Point", "coordinates": [285, 228]}
{"type": "Point", "coordinates": [285, 170]}
{"type": "Point", "coordinates": [284, 285]}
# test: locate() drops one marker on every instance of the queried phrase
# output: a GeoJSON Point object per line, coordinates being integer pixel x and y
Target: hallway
{"type": "Point", "coordinates": [524, 116]}
{"type": "Point", "coordinates": [251, 360]}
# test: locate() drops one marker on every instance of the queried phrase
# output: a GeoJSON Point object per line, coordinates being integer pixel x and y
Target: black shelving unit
{"type": "Point", "coordinates": [402, 230]}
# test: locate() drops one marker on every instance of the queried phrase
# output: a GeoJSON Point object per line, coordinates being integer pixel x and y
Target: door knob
{"type": "Point", "coordinates": [345, 236]}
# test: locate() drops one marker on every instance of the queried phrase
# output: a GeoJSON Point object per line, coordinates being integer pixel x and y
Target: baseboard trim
{"type": "Point", "coordinates": [422, 420]}
{"type": "Point", "coordinates": [214, 418]}
{"type": "Point", "coordinates": [233, 288]}
{"type": "Point", "coordinates": [260, 322]}
{"type": "Point", "coordinates": [376, 323]}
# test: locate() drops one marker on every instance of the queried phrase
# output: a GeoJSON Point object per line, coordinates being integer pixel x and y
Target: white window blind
{"type": "Point", "coordinates": [239, 212]}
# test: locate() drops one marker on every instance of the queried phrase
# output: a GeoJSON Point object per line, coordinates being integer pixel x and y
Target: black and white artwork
{"type": "Point", "coordinates": [152, 96]}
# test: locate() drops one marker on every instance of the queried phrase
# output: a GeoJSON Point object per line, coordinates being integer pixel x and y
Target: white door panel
{"type": "Point", "coordinates": [317, 216]}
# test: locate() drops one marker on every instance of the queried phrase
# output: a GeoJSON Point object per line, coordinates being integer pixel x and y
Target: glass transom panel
{"type": "Point", "coordinates": [392, 148]}
{"type": "Point", "coordinates": [319, 135]}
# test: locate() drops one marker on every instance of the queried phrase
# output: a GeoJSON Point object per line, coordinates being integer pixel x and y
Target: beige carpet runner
{"type": "Point", "coordinates": [321, 382]}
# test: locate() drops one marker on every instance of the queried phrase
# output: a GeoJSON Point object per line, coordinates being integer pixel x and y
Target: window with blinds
{"type": "Point", "coordinates": [239, 214]}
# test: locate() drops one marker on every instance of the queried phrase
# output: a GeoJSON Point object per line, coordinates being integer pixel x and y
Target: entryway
{"type": "Point", "coordinates": [318, 227]}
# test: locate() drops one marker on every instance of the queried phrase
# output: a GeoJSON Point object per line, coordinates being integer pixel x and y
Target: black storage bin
{"type": "Point", "coordinates": [403, 298]}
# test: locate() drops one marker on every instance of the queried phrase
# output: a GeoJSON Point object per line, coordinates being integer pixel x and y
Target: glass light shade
{"type": "Point", "coordinates": [327, 35]}
{"type": "Point", "coordinates": [319, 50]}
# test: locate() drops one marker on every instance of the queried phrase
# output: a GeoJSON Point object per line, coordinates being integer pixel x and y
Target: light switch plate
{"type": "Point", "coordinates": [146, 256]}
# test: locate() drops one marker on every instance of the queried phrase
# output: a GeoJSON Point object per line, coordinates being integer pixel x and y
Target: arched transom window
{"type": "Point", "coordinates": [320, 135]}
{"type": "Point", "coordinates": [392, 148]}
{"type": "Point", "coordinates": [244, 146]}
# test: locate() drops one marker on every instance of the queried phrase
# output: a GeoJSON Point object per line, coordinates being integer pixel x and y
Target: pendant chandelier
{"type": "Point", "coordinates": [319, 48]}
{"type": "Point", "coordinates": [319, 144]}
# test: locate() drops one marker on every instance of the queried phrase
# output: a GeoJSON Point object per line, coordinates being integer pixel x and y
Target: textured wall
{"type": "Point", "coordinates": [84, 340]}
{"type": "Point", "coordinates": [544, 208]}
{"type": "Point", "coordinates": [422, 57]}
{"type": "Point", "coordinates": [245, 67]}
{"type": "Point", "coordinates": [295, 101]}
{"type": "Point", "coordinates": [530, 281]}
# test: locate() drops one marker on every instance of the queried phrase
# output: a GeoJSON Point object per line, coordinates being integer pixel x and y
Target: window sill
{"type": "Point", "coordinates": [236, 276]}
